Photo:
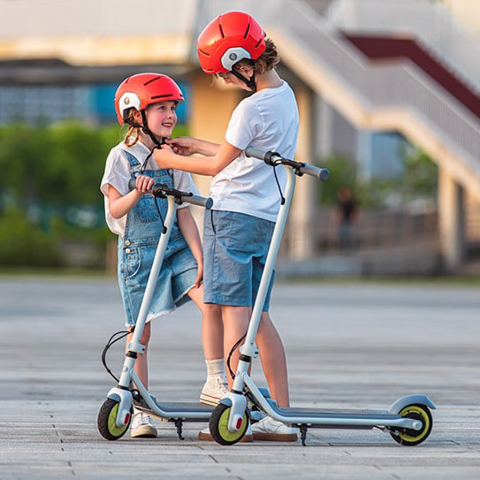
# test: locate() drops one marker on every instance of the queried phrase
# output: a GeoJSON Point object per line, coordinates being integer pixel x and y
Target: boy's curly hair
{"type": "Point", "coordinates": [267, 61]}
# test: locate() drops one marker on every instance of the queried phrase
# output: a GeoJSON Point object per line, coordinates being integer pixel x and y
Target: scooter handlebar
{"type": "Point", "coordinates": [197, 200]}
{"type": "Point", "coordinates": [272, 157]}
{"type": "Point", "coordinates": [159, 190]}
{"type": "Point", "coordinates": [256, 153]}
{"type": "Point", "coordinates": [320, 173]}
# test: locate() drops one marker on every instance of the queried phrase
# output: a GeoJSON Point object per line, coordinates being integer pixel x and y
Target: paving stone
{"type": "Point", "coordinates": [348, 346]}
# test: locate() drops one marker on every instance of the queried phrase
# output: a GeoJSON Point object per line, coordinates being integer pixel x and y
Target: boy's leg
{"type": "Point", "coordinates": [212, 325]}
{"type": "Point", "coordinates": [235, 321]}
{"type": "Point", "coordinates": [274, 364]}
{"type": "Point", "coordinates": [215, 387]}
{"type": "Point", "coordinates": [272, 355]}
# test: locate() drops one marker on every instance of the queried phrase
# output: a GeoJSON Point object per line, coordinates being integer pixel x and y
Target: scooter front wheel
{"type": "Point", "coordinates": [219, 426]}
{"type": "Point", "coordinates": [106, 421]}
{"type": "Point", "coordinates": [410, 437]}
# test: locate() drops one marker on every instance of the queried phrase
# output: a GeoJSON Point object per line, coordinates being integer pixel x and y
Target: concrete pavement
{"type": "Point", "coordinates": [351, 346]}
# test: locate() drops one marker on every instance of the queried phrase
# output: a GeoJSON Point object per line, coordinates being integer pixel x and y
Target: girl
{"type": "Point", "coordinates": [147, 103]}
{"type": "Point", "coordinates": [246, 198]}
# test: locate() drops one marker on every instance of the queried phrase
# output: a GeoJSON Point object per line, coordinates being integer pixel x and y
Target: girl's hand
{"type": "Point", "coordinates": [144, 183]}
{"type": "Point", "coordinates": [198, 280]}
{"type": "Point", "coordinates": [184, 146]}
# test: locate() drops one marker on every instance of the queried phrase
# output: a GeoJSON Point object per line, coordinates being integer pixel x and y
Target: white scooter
{"type": "Point", "coordinates": [115, 413]}
{"type": "Point", "coordinates": [408, 420]}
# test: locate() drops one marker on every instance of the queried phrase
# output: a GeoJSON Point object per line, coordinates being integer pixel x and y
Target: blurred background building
{"type": "Point", "coordinates": [388, 92]}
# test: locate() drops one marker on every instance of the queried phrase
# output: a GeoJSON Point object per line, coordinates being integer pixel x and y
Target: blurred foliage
{"type": "Point", "coordinates": [58, 164]}
{"type": "Point", "coordinates": [50, 188]}
{"type": "Point", "coordinates": [24, 244]}
{"type": "Point", "coordinates": [419, 181]}
{"type": "Point", "coordinates": [343, 173]}
{"type": "Point", "coordinates": [421, 176]}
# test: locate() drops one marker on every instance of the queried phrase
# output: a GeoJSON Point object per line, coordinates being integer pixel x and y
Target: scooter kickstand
{"type": "Point", "coordinates": [179, 425]}
{"type": "Point", "coordinates": [303, 433]}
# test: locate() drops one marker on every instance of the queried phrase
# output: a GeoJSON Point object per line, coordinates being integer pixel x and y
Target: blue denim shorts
{"type": "Point", "coordinates": [235, 248]}
{"type": "Point", "coordinates": [177, 276]}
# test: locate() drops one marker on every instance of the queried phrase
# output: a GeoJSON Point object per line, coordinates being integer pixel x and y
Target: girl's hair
{"type": "Point", "coordinates": [133, 133]}
{"type": "Point", "coordinates": [267, 61]}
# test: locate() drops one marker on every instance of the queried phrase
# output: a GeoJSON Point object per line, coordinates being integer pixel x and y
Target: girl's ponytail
{"type": "Point", "coordinates": [133, 133]}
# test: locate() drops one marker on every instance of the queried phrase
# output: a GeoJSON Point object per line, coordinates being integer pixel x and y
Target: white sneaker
{"type": "Point", "coordinates": [273, 430]}
{"type": "Point", "coordinates": [213, 391]}
{"type": "Point", "coordinates": [205, 435]}
{"type": "Point", "coordinates": [142, 426]}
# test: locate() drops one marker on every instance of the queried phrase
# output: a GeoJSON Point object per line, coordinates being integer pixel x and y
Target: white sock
{"type": "Point", "coordinates": [216, 368]}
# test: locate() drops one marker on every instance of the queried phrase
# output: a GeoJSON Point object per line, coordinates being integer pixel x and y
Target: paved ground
{"type": "Point", "coordinates": [347, 346]}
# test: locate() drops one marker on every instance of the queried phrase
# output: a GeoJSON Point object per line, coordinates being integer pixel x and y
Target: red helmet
{"type": "Point", "coordinates": [141, 90]}
{"type": "Point", "coordinates": [227, 39]}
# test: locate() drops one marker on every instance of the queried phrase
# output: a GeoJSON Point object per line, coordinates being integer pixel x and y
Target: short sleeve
{"type": "Point", "coordinates": [117, 172]}
{"type": "Point", "coordinates": [245, 124]}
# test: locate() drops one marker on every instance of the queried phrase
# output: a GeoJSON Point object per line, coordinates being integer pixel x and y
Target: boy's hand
{"type": "Point", "coordinates": [162, 156]}
{"type": "Point", "coordinates": [184, 146]}
{"type": "Point", "coordinates": [144, 183]}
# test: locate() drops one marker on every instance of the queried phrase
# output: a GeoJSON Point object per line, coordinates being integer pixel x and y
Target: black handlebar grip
{"type": "Point", "coordinates": [320, 173]}
{"type": "Point", "coordinates": [198, 200]}
{"type": "Point", "coordinates": [132, 183]}
{"type": "Point", "coordinates": [255, 152]}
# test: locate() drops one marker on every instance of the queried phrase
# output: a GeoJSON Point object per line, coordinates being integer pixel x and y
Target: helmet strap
{"type": "Point", "coordinates": [250, 82]}
{"type": "Point", "coordinates": [158, 143]}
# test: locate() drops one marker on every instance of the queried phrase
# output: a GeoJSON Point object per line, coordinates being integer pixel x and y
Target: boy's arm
{"type": "Point", "coordinates": [189, 230]}
{"type": "Point", "coordinates": [210, 165]}
{"type": "Point", "coordinates": [207, 149]}
{"type": "Point", "coordinates": [187, 146]}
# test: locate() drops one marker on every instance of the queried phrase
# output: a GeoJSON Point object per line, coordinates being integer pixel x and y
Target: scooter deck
{"type": "Point", "coordinates": [185, 407]}
{"type": "Point", "coordinates": [343, 416]}
{"type": "Point", "coordinates": [334, 412]}
{"type": "Point", "coordinates": [172, 411]}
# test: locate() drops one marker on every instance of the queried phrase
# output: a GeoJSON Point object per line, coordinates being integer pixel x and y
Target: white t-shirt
{"type": "Point", "coordinates": [118, 173]}
{"type": "Point", "coordinates": [267, 120]}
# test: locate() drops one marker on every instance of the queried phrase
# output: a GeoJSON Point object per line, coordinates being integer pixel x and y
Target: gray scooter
{"type": "Point", "coordinates": [408, 420]}
{"type": "Point", "coordinates": [115, 414]}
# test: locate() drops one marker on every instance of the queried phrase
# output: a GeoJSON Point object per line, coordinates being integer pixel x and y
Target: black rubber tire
{"type": "Point", "coordinates": [218, 426]}
{"type": "Point", "coordinates": [409, 437]}
{"type": "Point", "coordinates": [106, 421]}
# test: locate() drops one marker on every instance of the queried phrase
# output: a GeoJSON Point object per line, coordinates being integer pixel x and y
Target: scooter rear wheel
{"type": "Point", "coordinates": [106, 419]}
{"type": "Point", "coordinates": [408, 436]}
{"type": "Point", "coordinates": [219, 426]}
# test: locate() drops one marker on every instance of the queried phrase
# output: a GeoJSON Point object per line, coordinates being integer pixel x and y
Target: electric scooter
{"type": "Point", "coordinates": [115, 414]}
{"type": "Point", "coordinates": [408, 420]}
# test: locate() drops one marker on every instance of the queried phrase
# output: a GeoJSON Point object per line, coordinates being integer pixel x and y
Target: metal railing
{"type": "Point", "coordinates": [403, 86]}
{"type": "Point", "coordinates": [430, 23]}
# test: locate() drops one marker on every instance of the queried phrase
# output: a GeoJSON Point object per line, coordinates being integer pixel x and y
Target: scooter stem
{"type": "Point", "coordinates": [249, 347]}
{"type": "Point", "coordinates": [135, 345]}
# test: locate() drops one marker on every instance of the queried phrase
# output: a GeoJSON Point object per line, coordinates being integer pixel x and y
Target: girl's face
{"type": "Point", "coordinates": [162, 118]}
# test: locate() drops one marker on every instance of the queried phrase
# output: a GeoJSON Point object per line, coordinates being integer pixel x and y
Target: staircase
{"type": "Point", "coordinates": [388, 96]}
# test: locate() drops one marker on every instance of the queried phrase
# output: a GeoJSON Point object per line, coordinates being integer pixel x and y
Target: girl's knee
{"type": "Point", "coordinates": [145, 338]}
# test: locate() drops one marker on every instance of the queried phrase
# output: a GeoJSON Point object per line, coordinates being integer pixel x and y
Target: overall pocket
{"type": "Point", "coordinates": [131, 263]}
{"type": "Point", "coordinates": [146, 209]}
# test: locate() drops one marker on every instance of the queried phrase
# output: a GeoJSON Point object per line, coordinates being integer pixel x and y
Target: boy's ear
{"type": "Point", "coordinates": [246, 70]}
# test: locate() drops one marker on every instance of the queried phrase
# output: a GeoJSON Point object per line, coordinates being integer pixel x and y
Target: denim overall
{"type": "Point", "coordinates": [136, 251]}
